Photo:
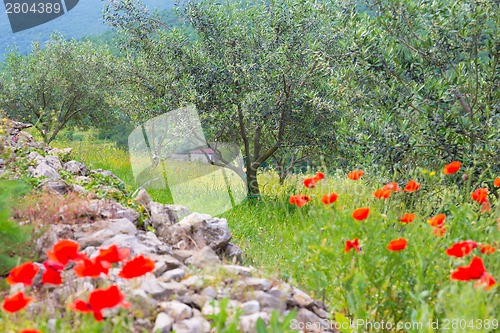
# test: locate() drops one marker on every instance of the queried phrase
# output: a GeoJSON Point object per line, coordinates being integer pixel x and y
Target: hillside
{"type": "Point", "coordinates": [83, 20]}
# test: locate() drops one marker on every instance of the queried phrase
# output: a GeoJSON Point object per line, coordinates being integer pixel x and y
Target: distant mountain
{"type": "Point", "coordinates": [83, 20]}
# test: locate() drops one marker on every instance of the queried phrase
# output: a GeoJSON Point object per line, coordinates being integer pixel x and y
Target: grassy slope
{"type": "Point", "coordinates": [306, 245]}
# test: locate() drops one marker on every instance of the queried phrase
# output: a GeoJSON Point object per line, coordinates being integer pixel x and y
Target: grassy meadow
{"type": "Point", "coordinates": [408, 290]}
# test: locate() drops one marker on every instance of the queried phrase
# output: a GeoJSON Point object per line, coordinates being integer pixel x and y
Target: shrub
{"type": "Point", "coordinates": [12, 235]}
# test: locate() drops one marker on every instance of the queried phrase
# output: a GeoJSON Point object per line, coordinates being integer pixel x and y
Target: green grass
{"type": "Point", "coordinates": [306, 245]}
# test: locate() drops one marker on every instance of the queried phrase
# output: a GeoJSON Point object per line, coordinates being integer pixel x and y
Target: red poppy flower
{"type": "Point", "coordinates": [319, 175]}
{"type": "Point", "coordinates": [299, 200]}
{"type": "Point", "coordinates": [461, 249]}
{"type": "Point", "coordinates": [412, 186]}
{"type": "Point", "coordinates": [355, 175]}
{"type": "Point", "coordinates": [485, 207]}
{"type": "Point", "coordinates": [91, 268]}
{"type": "Point", "coordinates": [361, 213]}
{"type": "Point", "coordinates": [407, 218]}
{"type": "Point", "coordinates": [23, 274]}
{"type": "Point", "coordinates": [311, 182]}
{"type": "Point", "coordinates": [437, 221]}
{"type": "Point", "coordinates": [113, 254]}
{"type": "Point", "coordinates": [329, 198]}
{"type": "Point", "coordinates": [382, 194]}
{"type": "Point", "coordinates": [136, 267]}
{"type": "Point", "coordinates": [487, 249]}
{"type": "Point", "coordinates": [439, 231]}
{"type": "Point", "coordinates": [64, 251]}
{"type": "Point", "coordinates": [51, 274]}
{"type": "Point", "coordinates": [486, 280]}
{"type": "Point", "coordinates": [397, 244]}
{"type": "Point", "coordinates": [497, 182]}
{"type": "Point", "coordinates": [16, 302]}
{"type": "Point", "coordinates": [480, 195]}
{"type": "Point", "coordinates": [451, 168]}
{"type": "Point", "coordinates": [30, 330]}
{"type": "Point", "coordinates": [393, 186]}
{"type": "Point", "coordinates": [99, 300]}
{"type": "Point", "coordinates": [474, 271]}
{"type": "Point", "coordinates": [352, 244]}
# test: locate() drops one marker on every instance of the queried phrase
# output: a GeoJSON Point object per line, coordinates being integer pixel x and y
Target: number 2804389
{"type": "Point", "coordinates": [33, 8]}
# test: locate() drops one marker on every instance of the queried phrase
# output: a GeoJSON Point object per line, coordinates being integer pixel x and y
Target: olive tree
{"type": "Point", "coordinates": [252, 70]}
{"type": "Point", "coordinates": [57, 84]}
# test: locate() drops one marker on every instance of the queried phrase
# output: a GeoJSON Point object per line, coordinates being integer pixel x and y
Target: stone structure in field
{"type": "Point", "coordinates": [197, 268]}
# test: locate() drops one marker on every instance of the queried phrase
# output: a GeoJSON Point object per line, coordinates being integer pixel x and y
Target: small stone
{"type": "Point", "coordinates": [193, 325]}
{"type": "Point", "coordinates": [176, 310]}
{"type": "Point", "coordinates": [316, 324]}
{"type": "Point", "coordinates": [163, 323]}
{"type": "Point", "coordinates": [174, 274]}
{"type": "Point", "coordinates": [75, 168]}
{"type": "Point", "coordinates": [162, 290]}
{"type": "Point", "coordinates": [143, 198]}
{"type": "Point", "coordinates": [210, 308]}
{"type": "Point", "coordinates": [267, 302]}
{"type": "Point", "coordinates": [204, 258]}
{"type": "Point", "coordinates": [257, 283]}
{"type": "Point", "coordinates": [182, 255]}
{"type": "Point", "coordinates": [232, 252]}
{"type": "Point", "coordinates": [164, 263]}
{"type": "Point", "coordinates": [193, 282]}
{"type": "Point", "coordinates": [239, 270]}
{"type": "Point", "coordinates": [248, 323]}
{"type": "Point", "coordinates": [209, 292]}
{"type": "Point", "coordinates": [44, 170]}
{"type": "Point", "coordinates": [54, 162]}
{"type": "Point", "coordinates": [250, 307]}
{"type": "Point", "coordinates": [301, 298]}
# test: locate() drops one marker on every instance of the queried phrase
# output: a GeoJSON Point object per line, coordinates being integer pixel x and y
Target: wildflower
{"type": "Point", "coordinates": [311, 182]}
{"type": "Point", "coordinates": [352, 244]}
{"type": "Point", "coordinates": [361, 213]}
{"type": "Point", "coordinates": [51, 274]}
{"type": "Point", "coordinates": [432, 173]}
{"type": "Point", "coordinates": [486, 280]}
{"type": "Point", "coordinates": [23, 274]}
{"type": "Point", "coordinates": [4, 120]}
{"type": "Point", "coordinates": [329, 198]}
{"type": "Point", "coordinates": [461, 249]}
{"type": "Point", "coordinates": [393, 186]}
{"type": "Point", "coordinates": [397, 244]}
{"type": "Point", "coordinates": [437, 221]}
{"type": "Point", "coordinates": [136, 267]}
{"type": "Point", "coordinates": [30, 330]}
{"type": "Point", "coordinates": [451, 168]}
{"type": "Point", "coordinates": [407, 218]}
{"type": "Point", "coordinates": [497, 182]}
{"type": "Point", "coordinates": [355, 175]}
{"type": "Point", "coordinates": [99, 300]}
{"type": "Point", "coordinates": [439, 231]}
{"type": "Point", "coordinates": [113, 254]}
{"type": "Point", "coordinates": [91, 268]}
{"type": "Point", "coordinates": [299, 200]}
{"type": "Point", "coordinates": [412, 186]}
{"type": "Point", "coordinates": [485, 207]}
{"type": "Point", "coordinates": [382, 194]}
{"type": "Point", "coordinates": [480, 195]}
{"type": "Point", "coordinates": [474, 271]}
{"type": "Point", "coordinates": [64, 251]}
{"type": "Point", "coordinates": [16, 302]}
{"type": "Point", "coordinates": [487, 249]}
